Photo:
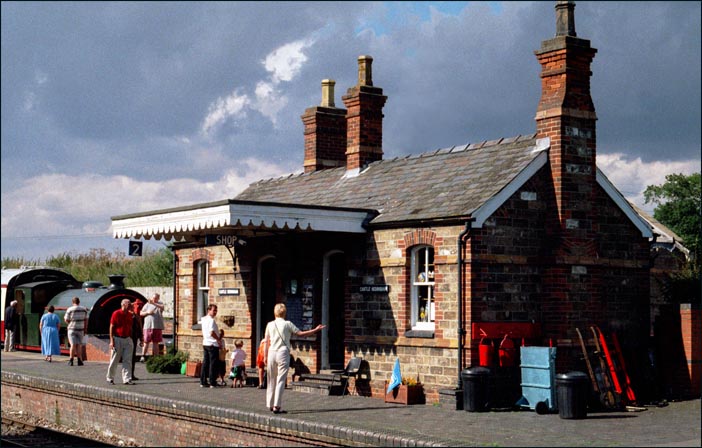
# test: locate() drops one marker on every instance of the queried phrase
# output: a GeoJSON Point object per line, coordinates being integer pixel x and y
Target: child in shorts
{"type": "Point", "coordinates": [238, 369]}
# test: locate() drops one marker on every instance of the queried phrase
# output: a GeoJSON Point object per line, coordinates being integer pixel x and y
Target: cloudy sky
{"type": "Point", "coordinates": [115, 108]}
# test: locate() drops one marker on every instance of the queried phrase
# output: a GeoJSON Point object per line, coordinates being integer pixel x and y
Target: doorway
{"type": "Point", "coordinates": [267, 268]}
{"type": "Point", "coordinates": [334, 310]}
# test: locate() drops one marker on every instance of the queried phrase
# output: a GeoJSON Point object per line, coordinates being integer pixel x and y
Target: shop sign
{"type": "Point", "coordinates": [223, 240]}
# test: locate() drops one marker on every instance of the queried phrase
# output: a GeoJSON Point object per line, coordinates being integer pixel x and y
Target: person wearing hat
{"type": "Point", "coordinates": [10, 326]}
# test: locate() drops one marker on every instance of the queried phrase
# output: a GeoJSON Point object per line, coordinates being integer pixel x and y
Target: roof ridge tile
{"type": "Point", "coordinates": [527, 137]}
{"type": "Point", "coordinates": [493, 142]}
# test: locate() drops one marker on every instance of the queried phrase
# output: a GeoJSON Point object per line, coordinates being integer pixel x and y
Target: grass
{"type": "Point", "coordinates": [154, 268]}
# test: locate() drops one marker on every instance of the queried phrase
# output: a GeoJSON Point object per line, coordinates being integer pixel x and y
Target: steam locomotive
{"type": "Point", "coordinates": [37, 288]}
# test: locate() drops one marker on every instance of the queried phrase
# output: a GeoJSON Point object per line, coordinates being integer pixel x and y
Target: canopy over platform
{"type": "Point", "coordinates": [194, 221]}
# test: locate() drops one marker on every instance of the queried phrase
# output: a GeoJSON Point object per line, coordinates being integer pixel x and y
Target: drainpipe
{"type": "Point", "coordinates": [459, 263]}
{"type": "Point", "coordinates": [175, 297]}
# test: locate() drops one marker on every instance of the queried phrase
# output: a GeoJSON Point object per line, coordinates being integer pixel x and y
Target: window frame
{"type": "Point", "coordinates": [415, 285]}
{"type": "Point", "coordinates": [202, 288]}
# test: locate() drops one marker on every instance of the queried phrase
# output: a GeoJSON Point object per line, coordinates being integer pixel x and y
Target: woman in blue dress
{"type": "Point", "coordinates": [49, 328]}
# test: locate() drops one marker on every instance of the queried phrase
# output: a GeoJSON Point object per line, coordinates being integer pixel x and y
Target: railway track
{"type": "Point", "coordinates": [16, 433]}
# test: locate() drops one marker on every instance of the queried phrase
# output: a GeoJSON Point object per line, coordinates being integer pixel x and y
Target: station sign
{"type": "Point", "coordinates": [136, 248]}
{"type": "Point", "coordinates": [374, 289]}
{"type": "Point", "coordinates": [229, 291]}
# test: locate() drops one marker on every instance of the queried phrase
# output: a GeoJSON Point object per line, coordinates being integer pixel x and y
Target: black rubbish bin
{"type": "Point", "coordinates": [572, 391]}
{"type": "Point", "coordinates": [476, 387]}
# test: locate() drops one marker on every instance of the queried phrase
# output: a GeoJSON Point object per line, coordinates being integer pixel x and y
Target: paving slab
{"type": "Point", "coordinates": [360, 418]}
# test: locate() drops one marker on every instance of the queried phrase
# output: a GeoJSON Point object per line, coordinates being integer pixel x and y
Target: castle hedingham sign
{"type": "Point", "coordinates": [374, 289]}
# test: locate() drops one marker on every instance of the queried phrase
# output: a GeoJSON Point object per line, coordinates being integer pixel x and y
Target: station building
{"type": "Point", "coordinates": [421, 257]}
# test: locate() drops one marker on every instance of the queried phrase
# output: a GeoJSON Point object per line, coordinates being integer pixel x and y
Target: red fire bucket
{"type": "Point", "coordinates": [485, 353]}
{"type": "Point", "coordinates": [507, 353]}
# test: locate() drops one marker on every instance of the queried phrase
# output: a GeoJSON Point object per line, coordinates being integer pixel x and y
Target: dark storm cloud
{"type": "Point", "coordinates": [120, 76]}
{"type": "Point", "coordinates": [123, 79]}
{"type": "Point", "coordinates": [122, 91]}
{"type": "Point", "coordinates": [479, 79]}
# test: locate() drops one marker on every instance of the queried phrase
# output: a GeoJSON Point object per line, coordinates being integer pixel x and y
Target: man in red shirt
{"type": "Point", "coordinates": [121, 344]}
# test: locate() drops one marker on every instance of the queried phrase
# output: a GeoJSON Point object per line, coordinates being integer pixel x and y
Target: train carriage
{"type": "Point", "coordinates": [32, 287]}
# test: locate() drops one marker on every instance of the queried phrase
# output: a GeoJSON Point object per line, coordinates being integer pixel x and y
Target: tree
{"type": "Point", "coordinates": [678, 206]}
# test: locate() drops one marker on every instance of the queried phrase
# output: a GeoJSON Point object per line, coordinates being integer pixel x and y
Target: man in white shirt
{"type": "Point", "coordinates": [210, 345]}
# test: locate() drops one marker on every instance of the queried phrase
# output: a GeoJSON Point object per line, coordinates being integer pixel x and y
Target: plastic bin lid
{"type": "Point", "coordinates": [572, 377]}
{"type": "Point", "coordinates": [476, 371]}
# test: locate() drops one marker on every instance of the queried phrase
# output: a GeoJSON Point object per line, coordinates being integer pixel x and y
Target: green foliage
{"type": "Point", "coordinates": [684, 286]}
{"type": "Point", "coordinates": [678, 206]}
{"type": "Point", "coordinates": [168, 363]}
{"type": "Point", "coordinates": [154, 268]}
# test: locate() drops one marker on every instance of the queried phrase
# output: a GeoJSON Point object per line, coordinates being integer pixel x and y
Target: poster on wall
{"type": "Point", "coordinates": [294, 310]}
{"type": "Point", "coordinates": [307, 304]}
{"type": "Point", "coordinates": [300, 303]}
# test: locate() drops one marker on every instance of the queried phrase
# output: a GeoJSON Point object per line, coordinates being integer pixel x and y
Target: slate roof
{"type": "Point", "coordinates": [438, 185]}
{"type": "Point", "coordinates": [665, 236]}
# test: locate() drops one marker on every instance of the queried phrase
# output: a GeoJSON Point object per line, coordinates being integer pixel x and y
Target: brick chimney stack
{"type": "Point", "coordinates": [325, 132]}
{"type": "Point", "coordinates": [566, 114]}
{"type": "Point", "coordinates": [364, 119]}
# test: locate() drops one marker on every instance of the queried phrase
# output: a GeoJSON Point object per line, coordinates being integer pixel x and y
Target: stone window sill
{"type": "Point", "coordinates": [426, 334]}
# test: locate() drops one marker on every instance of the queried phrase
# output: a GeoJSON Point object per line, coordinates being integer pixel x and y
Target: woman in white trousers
{"type": "Point", "coordinates": [277, 354]}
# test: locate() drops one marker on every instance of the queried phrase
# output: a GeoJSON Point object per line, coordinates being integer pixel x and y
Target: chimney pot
{"type": "Point", "coordinates": [328, 93]}
{"type": "Point", "coordinates": [365, 71]}
{"type": "Point", "coordinates": [565, 18]}
{"type": "Point", "coordinates": [116, 281]}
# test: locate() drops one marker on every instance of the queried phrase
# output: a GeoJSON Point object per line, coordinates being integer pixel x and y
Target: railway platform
{"type": "Point", "coordinates": [172, 410]}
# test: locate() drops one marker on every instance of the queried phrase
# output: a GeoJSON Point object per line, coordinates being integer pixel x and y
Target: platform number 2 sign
{"type": "Point", "coordinates": [135, 248]}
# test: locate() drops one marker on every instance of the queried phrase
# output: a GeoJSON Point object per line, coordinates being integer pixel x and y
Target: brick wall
{"type": "Point", "coordinates": [387, 261]}
{"type": "Point", "coordinates": [678, 352]}
{"type": "Point", "coordinates": [170, 423]}
{"type": "Point", "coordinates": [691, 328]}
{"type": "Point", "coordinates": [520, 267]}
{"type": "Point", "coordinates": [566, 115]}
{"type": "Point", "coordinates": [223, 273]}
{"type": "Point", "coordinates": [523, 267]}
